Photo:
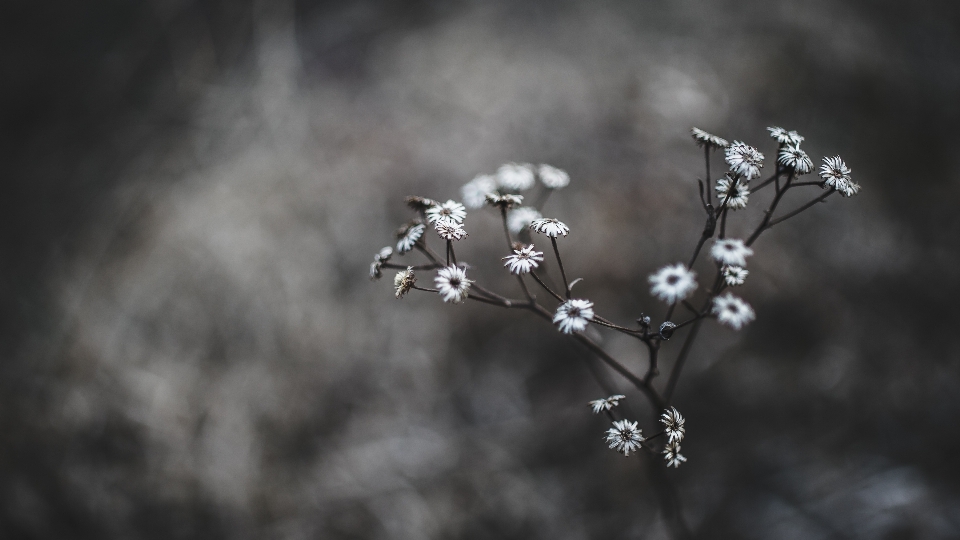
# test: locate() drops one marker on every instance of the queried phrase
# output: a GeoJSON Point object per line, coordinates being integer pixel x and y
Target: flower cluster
{"type": "Point", "coordinates": [507, 194]}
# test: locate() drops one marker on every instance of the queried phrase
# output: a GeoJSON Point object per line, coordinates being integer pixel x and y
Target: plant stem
{"type": "Point", "coordinates": [556, 251]}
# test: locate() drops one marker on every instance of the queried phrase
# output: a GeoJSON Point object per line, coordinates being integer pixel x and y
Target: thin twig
{"type": "Point", "coordinates": [556, 251]}
{"type": "Point", "coordinates": [801, 209]}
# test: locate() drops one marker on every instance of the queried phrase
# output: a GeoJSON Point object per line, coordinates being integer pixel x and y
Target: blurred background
{"type": "Point", "coordinates": [191, 346]}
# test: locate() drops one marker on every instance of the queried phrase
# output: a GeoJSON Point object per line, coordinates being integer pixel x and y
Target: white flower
{"type": "Point", "coordinates": [624, 437]}
{"type": "Point", "coordinates": [408, 236]}
{"type": "Point", "coordinates": [573, 315]}
{"type": "Point", "coordinates": [553, 177]}
{"type": "Point", "coordinates": [449, 230]}
{"type": "Point", "coordinates": [379, 258]}
{"type": "Point", "coordinates": [452, 283]}
{"type": "Point", "coordinates": [735, 275]}
{"type": "Point", "coordinates": [744, 159]}
{"type": "Point", "coordinates": [834, 172]}
{"type": "Point", "coordinates": [796, 159]}
{"type": "Point", "coordinates": [404, 281]}
{"type": "Point", "coordinates": [672, 283]}
{"type": "Point", "coordinates": [448, 211]}
{"type": "Point", "coordinates": [849, 188]}
{"type": "Point", "coordinates": [730, 251]}
{"type": "Point", "coordinates": [550, 227]}
{"type": "Point", "coordinates": [504, 201]}
{"type": "Point", "coordinates": [703, 138]}
{"type": "Point", "coordinates": [672, 422]}
{"type": "Point", "coordinates": [732, 311]}
{"type": "Point", "coordinates": [606, 404]}
{"type": "Point", "coordinates": [516, 177]}
{"type": "Point", "coordinates": [672, 455]}
{"type": "Point", "coordinates": [475, 191]}
{"type": "Point", "coordinates": [520, 218]}
{"type": "Point", "coordinates": [739, 195]}
{"type": "Point", "coordinates": [783, 136]}
{"type": "Point", "coordinates": [523, 260]}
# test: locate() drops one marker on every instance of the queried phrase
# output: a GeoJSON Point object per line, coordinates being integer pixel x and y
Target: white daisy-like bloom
{"type": "Point", "coordinates": [550, 227]}
{"type": "Point", "coordinates": [672, 455]}
{"type": "Point", "coordinates": [507, 200]}
{"type": "Point", "coordinates": [475, 191]}
{"type": "Point", "coordinates": [673, 283]}
{"type": "Point", "coordinates": [796, 159]}
{"type": "Point", "coordinates": [516, 176]}
{"type": "Point", "coordinates": [448, 211]}
{"type": "Point", "coordinates": [738, 189]}
{"type": "Point", "coordinates": [523, 260]}
{"type": "Point", "coordinates": [735, 275]}
{"type": "Point", "coordinates": [379, 258]}
{"type": "Point", "coordinates": [624, 437]}
{"type": "Point", "coordinates": [408, 236]}
{"type": "Point", "coordinates": [452, 283]}
{"type": "Point", "coordinates": [835, 172]}
{"type": "Point", "coordinates": [404, 281]}
{"type": "Point", "coordinates": [706, 139]}
{"type": "Point", "coordinates": [520, 218]}
{"type": "Point", "coordinates": [744, 159]}
{"type": "Point", "coordinates": [732, 311]}
{"type": "Point", "coordinates": [783, 136]}
{"type": "Point", "coordinates": [730, 251]}
{"type": "Point", "coordinates": [449, 230]}
{"type": "Point", "coordinates": [553, 177]}
{"type": "Point", "coordinates": [573, 315]}
{"type": "Point", "coordinates": [606, 404]}
{"type": "Point", "coordinates": [849, 188]}
{"type": "Point", "coordinates": [672, 422]}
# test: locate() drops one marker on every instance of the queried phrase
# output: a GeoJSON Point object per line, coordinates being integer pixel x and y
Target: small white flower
{"type": "Point", "coordinates": [849, 188]}
{"type": "Point", "coordinates": [834, 172]}
{"type": "Point", "coordinates": [452, 283]}
{"type": "Point", "coordinates": [448, 211]}
{"type": "Point", "coordinates": [732, 311]}
{"type": "Point", "coordinates": [624, 437]}
{"type": "Point", "coordinates": [735, 275]}
{"type": "Point", "coordinates": [553, 177]}
{"type": "Point", "coordinates": [449, 230]}
{"type": "Point", "coordinates": [672, 455]}
{"type": "Point", "coordinates": [523, 260]}
{"type": "Point", "coordinates": [739, 194]}
{"type": "Point", "coordinates": [504, 201]}
{"type": "Point", "coordinates": [573, 315]}
{"type": "Point", "coordinates": [730, 251]}
{"type": "Point", "coordinates": [379, 258]}
{"type": "Point", "coordinates": [783, 136]}
{"type": "Point", "coordinates": [550, 227]}
{"type": "Point", "coordinates": [703, 138]}
{"type": "Point", "coordinates": [606, 404]}
{"type": "Point", "coordinates": [672, 422]}
{"type": "Point", "coordinates": [796, 159]}
{"type": "Point", "coordinates": [404, 281]}
{"type": "Point", "coordinates": [744, 159]}
{"type": "Point", "coordinates": [408, 236]}
{"type": "Point", "coordinates": [475, 191]}
{"type": "Point", "coordinates": [516, 177]}
{"type": "Point", "coordinates": [672, 283]}
{"type": "Point", "coordinates": [520, 218]}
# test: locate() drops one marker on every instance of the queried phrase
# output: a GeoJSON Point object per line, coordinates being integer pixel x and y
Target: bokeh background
{"type": "Point", "coordinates": [191, 347]}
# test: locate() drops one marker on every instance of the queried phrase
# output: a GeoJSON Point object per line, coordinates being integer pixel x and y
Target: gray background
{"type": "Point", "coordinates": [194, 190]}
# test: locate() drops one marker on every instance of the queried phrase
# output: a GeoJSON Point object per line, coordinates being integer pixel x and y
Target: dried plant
{"type": "Point", "coordinates": [674, 284]}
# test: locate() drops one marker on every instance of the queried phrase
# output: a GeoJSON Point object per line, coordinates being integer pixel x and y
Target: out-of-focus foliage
{"type": "Point", "coordinates": [194, 191]}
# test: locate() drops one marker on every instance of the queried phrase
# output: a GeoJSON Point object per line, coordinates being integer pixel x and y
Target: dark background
{"type": "Point", "coordinates": [194, 190]}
